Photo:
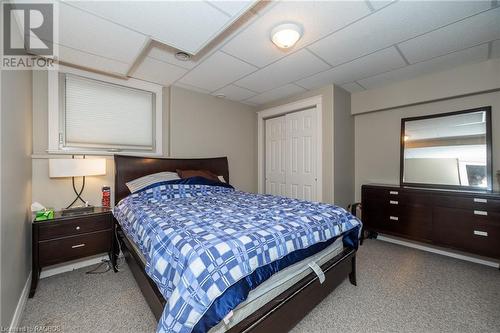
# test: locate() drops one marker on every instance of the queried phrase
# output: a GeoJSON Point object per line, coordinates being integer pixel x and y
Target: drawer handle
{"type": "Point", "coordinates": [393, 218]}
{"type": "Point", "coordinates": [481, 200]}
{"type": "Point", "coordinates": [393, 192]}
{"type": "Point", "coordinates": [393, 202]}
{"type": "Point", "coordinates": [480, 233]}
{"type": "Point", "coordinates": [481, 212]}
{"type": "Point", "coordinates": [77, 228]}
{"type": "Point", "coordinates": [77, 246]}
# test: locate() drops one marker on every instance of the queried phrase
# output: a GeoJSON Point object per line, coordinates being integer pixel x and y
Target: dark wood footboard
{"type": "Point", "coordinates": [280, 314]}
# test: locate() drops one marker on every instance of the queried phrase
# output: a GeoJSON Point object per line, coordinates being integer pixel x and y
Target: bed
{"type": "Point", "coordinates": [277, 302]}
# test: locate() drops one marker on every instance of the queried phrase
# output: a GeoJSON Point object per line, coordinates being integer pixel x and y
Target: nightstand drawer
{"type": "Point", "coordinates": [76, 226]}
{"type": "Point", "coordinates": [64, 249]}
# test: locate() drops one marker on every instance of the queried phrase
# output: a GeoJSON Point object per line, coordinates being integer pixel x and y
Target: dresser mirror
{"type": "Point", "coordinates": [448, 150]}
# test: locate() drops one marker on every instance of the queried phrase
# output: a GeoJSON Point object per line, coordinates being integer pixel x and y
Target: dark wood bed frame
{"type": "Point", "coordinates": [279, 315]}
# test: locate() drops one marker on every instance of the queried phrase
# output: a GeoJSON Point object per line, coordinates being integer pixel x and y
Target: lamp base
{"type": "Point", "coordinates": [77, 210]}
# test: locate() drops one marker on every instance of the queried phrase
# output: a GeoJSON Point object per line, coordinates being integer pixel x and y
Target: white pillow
{"type": "Point", "coordinates": [140, 183]}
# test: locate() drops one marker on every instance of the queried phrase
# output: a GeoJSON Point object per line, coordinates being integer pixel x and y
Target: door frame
{"type": "Point", "coordinates": [314, 102]}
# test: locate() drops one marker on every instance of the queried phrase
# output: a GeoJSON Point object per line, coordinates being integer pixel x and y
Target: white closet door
{"type": "Point", "coordinates": [302, 145]}
{"type": "Point", "coordinates": [275, 156]}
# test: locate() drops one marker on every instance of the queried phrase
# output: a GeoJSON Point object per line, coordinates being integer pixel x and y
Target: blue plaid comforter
{"type": "Point", "coordinates": [198, 240]}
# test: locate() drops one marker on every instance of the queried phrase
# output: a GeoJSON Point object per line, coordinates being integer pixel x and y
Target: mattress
{"type": "Point", "coordinates": [272, 287]}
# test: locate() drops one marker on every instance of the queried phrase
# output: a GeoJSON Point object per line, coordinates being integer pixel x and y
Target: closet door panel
{"type": "Point", "coordinates": [301, 155]}
{"type": "Point", "coordinates": [275, 156]}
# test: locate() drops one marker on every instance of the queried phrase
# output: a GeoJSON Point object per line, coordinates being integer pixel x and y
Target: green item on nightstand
{"type": "Point", "coordinates": [46, 214]}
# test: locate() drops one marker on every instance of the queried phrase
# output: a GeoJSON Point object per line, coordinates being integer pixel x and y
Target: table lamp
{"type": "Point", "coordinates": [77, 167]}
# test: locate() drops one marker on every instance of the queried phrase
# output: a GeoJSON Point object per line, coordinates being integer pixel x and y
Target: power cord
{"type": "Point", "coordinates": [107, 262]}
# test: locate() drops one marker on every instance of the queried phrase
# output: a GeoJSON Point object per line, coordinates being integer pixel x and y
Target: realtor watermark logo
{"type": "Point", "coordinates": [29, 38]}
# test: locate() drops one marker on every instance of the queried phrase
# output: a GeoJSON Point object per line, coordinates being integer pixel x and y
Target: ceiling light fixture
{"type": "Point", "coordinates": [286, 35]}
{"type": "Point", "coordinates": [182, 56]}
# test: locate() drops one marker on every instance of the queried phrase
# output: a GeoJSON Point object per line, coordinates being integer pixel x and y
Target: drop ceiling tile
{"type": "Point", "coordinates": [352, 87]}
{"type": "Point", "coordinates": [217, 71]}
{"type": "Point", "coordinates": [186, 25]}
{"type": "Point", "coordinates": [393, 24]}
{"type": "Point", "coordinates": [276, 94]}
{"type": "Point", "coordinates": [235, 93]}
{"type": "Point", "coordinates": [318, 18]}
{"type": "Point", "coordinates": [474, 54]}
{"type": "Point", "coordinates": [298, 65]}
{"type": "Point", "coordinates": [156, 71]}
{"type": "Point", "coordinates": [232, 8]}
{"type": "Point", "coordinates": [189, 87]}
{"type": "Point", "coordinates": [81, 30]}
{"type": "Point", "coordinates": [375, 63]}
{"type": "Point", "coordinates": [495, 49]}
{"type": "Point", "coordinates": [79, 58]}
{"type": "Point", "coordinates": [378, 4]}
{"type": "Point", "coordinates": [167, 54]}
{"type": "Point", "coordinates": [469, 32]}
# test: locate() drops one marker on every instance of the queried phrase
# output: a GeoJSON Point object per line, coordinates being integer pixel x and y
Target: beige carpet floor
{"type": "Point", "coordinates": [399, 290]}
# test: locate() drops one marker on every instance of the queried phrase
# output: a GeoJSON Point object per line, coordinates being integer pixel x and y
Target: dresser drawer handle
{"type": "Point", "coordinates": [481, 200]}
{"type": "Point", "coordinates": [393, 218]}
{"type": "Point", "coordinates": [481, 212]}
{"type": "Point", "coordinates": [480, 233]}
{"type": "Point", "coordinates": [393, 192]}
{"type": "Point", "coordinates": [77, 246]}
{"type": "Point", "coordinates": [77, 228]}
{"type": "Point", "coordinates": [393, 202]}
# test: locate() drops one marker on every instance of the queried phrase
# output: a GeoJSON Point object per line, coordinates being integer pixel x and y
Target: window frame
{"type": "Point", "coordinates": [56, 114]}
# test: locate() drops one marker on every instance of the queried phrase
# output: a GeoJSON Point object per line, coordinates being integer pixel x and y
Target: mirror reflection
{"type": "Point", "coordinates": [449, 150]}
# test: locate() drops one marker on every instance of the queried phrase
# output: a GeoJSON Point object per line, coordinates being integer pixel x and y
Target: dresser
{"type": "Point", "coordinates": [71, 237]}
{"type": "Point", "coordinates": [465, 221]}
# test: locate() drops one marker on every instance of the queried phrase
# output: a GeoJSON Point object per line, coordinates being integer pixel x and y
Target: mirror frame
{"type": "Point", "coordinates": [489, 142]}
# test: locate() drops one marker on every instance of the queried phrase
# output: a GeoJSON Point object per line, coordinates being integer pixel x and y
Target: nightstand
{"type": "Point", "coordinates": [70, 237]}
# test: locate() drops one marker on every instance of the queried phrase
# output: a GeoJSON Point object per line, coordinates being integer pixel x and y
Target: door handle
{"type": "Point", "coordinates": [77, 246]}
{"type": "Point", "coordinates": [481, 212]}
{"type": "Point", "coordinates": [393, 202]}
{"type": "Point", "coordinates": [393, 192]}
{"type": "Point", "coordinates": [393, 218]}
{"type": "Point", "coordinates": [480, 233]}
{"type": "Point", "coordinates": [481, 200]}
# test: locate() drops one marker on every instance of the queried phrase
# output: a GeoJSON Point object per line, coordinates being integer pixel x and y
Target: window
{"type": "Point", "coordinates": [96, 114]}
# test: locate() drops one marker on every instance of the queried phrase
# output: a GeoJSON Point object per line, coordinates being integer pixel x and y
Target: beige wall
{"type": "Point", "coordinates": [195, 125]}
{"type": "Point", "coordinates": [205, 126]}
{"type": "Point", "coordinates": [377, 136]}
{"type": "Point", "coordinates": [459, 81]}
{"type": "Point", "coordinates": [15, 219]}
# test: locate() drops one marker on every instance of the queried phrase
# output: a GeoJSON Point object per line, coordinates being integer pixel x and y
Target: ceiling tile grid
{"type": "Point", "coordinates": [351, 43]}
{"type": "Point", "coordinates": [275, 94]}
{"type": "Point", "coordinates": [393, 24]}
{"type": "Point", "coordinates": [298, 65]}
{"type": "Point", "coordinates": [476, 30]}
{"type": "Point", "coordinates": [375, 63]}
{"type": "Point", "coordinates": [234, 93]}
{"type": "Point", "coordinates": [217, 71]}
{"type": "Point", "coordinates": [474, 54]}
{"type": "Point", "coordinates": [317, 18]}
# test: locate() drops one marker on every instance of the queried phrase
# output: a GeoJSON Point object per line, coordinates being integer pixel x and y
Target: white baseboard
{"type": "Point", "coordinates": [72, 265]}
{"type": "Point", "coordinates": [439, 251]}
{"type": "Point", "coordinates": [21, 304]}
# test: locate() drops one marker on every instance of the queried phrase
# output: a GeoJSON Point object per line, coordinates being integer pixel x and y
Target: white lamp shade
{"type": "Point", "coordinates": [76, 167]}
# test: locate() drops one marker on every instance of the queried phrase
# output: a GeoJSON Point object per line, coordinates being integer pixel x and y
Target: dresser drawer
{"type": "Point", "coordinates": [468, 202]}
{"type": "Point", "coordinates": [64, 249]}
{"type": "Point", "coordinates": [464, 230]}
{"type": "Point", "coordinates": [73, 227]}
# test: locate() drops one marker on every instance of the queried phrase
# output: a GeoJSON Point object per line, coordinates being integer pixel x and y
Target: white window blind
{"type": "Point", "coordinates": [107, 116]}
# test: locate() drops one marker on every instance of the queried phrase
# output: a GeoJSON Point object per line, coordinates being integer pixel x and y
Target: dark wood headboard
{"type": "Point", "coordinates": [128, 168]}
